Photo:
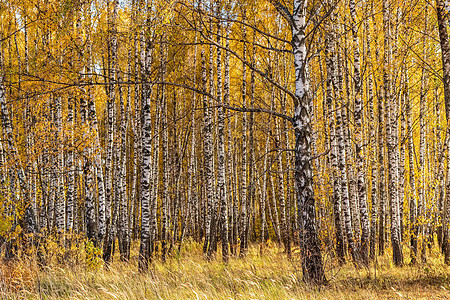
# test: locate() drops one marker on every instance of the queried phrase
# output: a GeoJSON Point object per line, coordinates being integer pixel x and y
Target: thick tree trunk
{"type": "Point", "coordinates": [445, 50]}
{"type": "Point", "coordinates": [312, 266]}
{"type": "Point", "coordinates": [16, 170]}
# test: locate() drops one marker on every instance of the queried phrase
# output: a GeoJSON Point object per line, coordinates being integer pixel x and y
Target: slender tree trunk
{"type": "Point", "coordinates": [263, 197]}
{"type": "Point", "coordinates": [70, 169]}
{"type": "Point", "coordinates": [112, 43]}
{"type": "Point", "coordinates": [250, 223]}
{"type": "Point", "coordinates": [276, 222]}
{"type": "Point", "coordinates": [60, 217]}
{"type": "Point", "coordinates": [214, 204]}
{"type": "Point", "coordinates": [350, 156]}
{"type": "Point", "coordinates": [412, 184]}
{"type": "Point", "coordinates": [165, 163]}
{"type": "Point", "coordinates": [282, 199]}
{"type": "Point", "coordinates": [154, 176]}
{"type": "Point", "coordinates": [381, 182]}
{"type": "Point", "coordinates": [135, 186]}
{"type": "Point", "coordinates": [373, 134]}
{"type": "Point", "coordinates": [231, 183]}
{"type": "Point", "coordinates": [115, 224]}
{"type": "Point", "coordinates": [336, 196]}
{"type": "Point", "coordinates": [244, 190]}
{"type": "Point", "coordinates": [359, 140]}
{"type": "Point", "coordinates": [392, 141]}
{"type": "Point", "coordinates": [440, 173]}
{"type": "Point", "coordinates": [145, 155]}
{"type": "Point", "coordinates": [421, 206]}
{"type": "Point", "coordinates": [88, 170]}
{"type": "Point", "coordinates": [208, 156]}
{"type": "Point", "coordinates": [97, 164]}
{"type": "Point", "coordinates": [192, 196]}
{"type": "Point", "coordinates": [123, 216]}
{"type": "Point", "coordinates": [90, 164]}
{"type": "Point", "coordinates": [401, 183]}
{"type": "Point", "coordinates": [223, 192]}
{"type": "Point", "coordinates": [342, 164]}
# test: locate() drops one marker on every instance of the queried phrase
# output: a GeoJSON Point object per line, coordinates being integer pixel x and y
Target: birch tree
{"type": "Point", "coordinates": [145, 165]}
{"type": "Point", "coordinates": [312, 264]}
{"type": "Point", "coordinates": [392, 141]}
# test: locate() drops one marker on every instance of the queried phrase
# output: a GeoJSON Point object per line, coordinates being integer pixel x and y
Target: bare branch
{"type": "Point", "coordinates": [251, 66]}
{"type": "Point", "coordinates": [283, 11]}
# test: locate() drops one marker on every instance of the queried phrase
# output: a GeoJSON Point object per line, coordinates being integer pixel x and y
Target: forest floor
{"type": "Point", "coordinates": [190, 276]}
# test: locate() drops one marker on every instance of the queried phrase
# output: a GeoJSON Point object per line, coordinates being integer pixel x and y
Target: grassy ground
{"type": "Point", "coordinates": [189, 276]}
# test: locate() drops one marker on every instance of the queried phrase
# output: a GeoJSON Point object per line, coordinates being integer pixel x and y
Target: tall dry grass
{"type": "Point", "coordinates": [189, 276]}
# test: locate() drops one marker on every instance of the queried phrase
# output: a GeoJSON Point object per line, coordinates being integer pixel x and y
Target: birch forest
{"type": "Point", "coordinates": [134, 129]}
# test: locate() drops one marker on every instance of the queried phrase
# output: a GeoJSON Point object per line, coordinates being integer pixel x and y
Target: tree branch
{"type": "Point", "coordinates": [283, 11]}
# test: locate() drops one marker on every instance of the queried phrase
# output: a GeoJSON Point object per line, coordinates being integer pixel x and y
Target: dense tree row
{"type": "Point", "coordinates": [320, 125]}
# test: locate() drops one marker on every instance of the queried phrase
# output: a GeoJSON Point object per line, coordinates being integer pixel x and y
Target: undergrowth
{"type": "Point", "coordinates": [189, 276]}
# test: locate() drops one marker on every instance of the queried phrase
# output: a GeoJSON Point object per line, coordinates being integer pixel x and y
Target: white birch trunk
{"type": "Point", "coordinates": [110, 128]}
{"type": "Point", "coordinates": [208, 156]}
{"type": "Point", "coordinates": [361, 188]}
{"type": "Point", "coordinates": [342, 164]}
{"type": "Point", "coordinates": [244, 201]}
{"type": "Point", "coordinates": [312, 265]}
{"type": "Point", "coordinates": [70, 169]}
{"type": "Point", "coordinates": [392, 141]}
{"type": "Point", "coordinates": [145, 155]}
{"type": "Point", "coordinates": [165, 163]}
{"type": "Point", "coordinates": [222, 192]}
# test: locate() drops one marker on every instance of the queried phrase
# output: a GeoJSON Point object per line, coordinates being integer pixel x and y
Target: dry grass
{"type": "Point", "coordinates": [189, 276]}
